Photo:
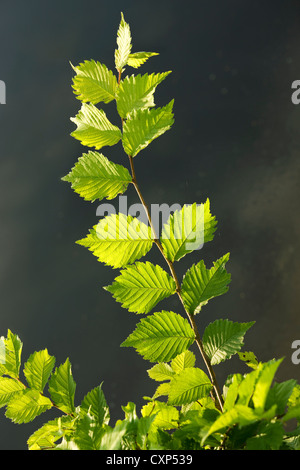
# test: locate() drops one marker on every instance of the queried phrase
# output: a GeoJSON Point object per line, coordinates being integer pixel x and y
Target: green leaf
{"type": "Point", "coordinates": [141, 286]}
{"type": "Point", "coordinates": [88, 434]}
{"type": "Point", "coordinates": [223, 338]}
{"type": "Point", "coordinates": [268, 437]}
{"type": "Point", "coordinates": [292, 440]}
{"type": "Point", "coordinates": [38, 368]}
{"type": "Point", "coordinates": [187, 229]}
{"type": "Point", "coordinates": [249, 358]}
{"type": "Point", "coordinates": [247, 386]}
{"type": "Point", "coordinates": [240, 414]}
{"type": "Point", "coordinates": [264, 383]}
{"type": "Point", "coordinates": [130, 411]}
{"type": "Point", "coordinates": [195, 424]}
{"type": "Point", "coordinates": [46, 436]}
{"type": "Point", "coordinates": [66, 445]}
{"type": "Point", "coordinates": [118, 240]}
{"type": "Point", "coordinates": [8, 387]}
{"type": "Point", "coordinates": [111, 439]}
{"type": "Point", "coordinates": [161, 372]}
{"type": "Point", "coordinates": [200, 284]}
{"type": "Point", "coordinates": [161, 336]}
{"type": "Point", "coordinates": [26, 405]}
{"type": "Point", "coordinates": [292, 413]}
{"type": "Point", "coordinates": [10, 355]}
{"type": "Point", "coordinates": [231, 391]}
{"type": "Point", "coordinates": [95, 404]}
{"type": "Point", "coordinates": [94, 129]}
{"type": "Point", "coordinates": [162, 390]}
{"type": "Point", "coordinates": [124, 45]}
{"type": "Point", "coordinates": [94, 82]}
{"type": "Point", "coordinates": [279, 395]}
{"type": "Point", "coordinates": [294, 399]}
{"type": "Point", "coordinates": [95, 177]}
{"type": "Point", "coordinates": [143, 428]}
{"type": "Point", "coordinates": [183, 361]}
{"type": "Point", "coordinates": [62, 387]}
{"type": "Point", "coordinates": [166, 416]}
{"type": "Point", "coordinates": [188, 386]}
{"type": "Point", "coordinates": [139, 58]}
{"type": "Point", "coordinates": [2, 355]}
{"type": "Point", "coordinates": [144, 126]}
{"type": "Point", "coordinates": [136, 92]}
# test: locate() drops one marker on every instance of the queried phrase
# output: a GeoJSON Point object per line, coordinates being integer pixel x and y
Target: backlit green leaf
{"type": "Point", "coordinates": [141, 286]}
{"type": "Point", "coordinates": [136, 92]}
{"type": "Point", "coordinates": [88, 434]}
{"type": "Point", "coordinates": [247, 386]}
{"type": "Point", "coordinates": [38, 368]}
{"type": "Point", "coordinates": [161, 372]}
{"type": "Point", "coordinates": [8, 387]}
{"type": "Point", "coordinates": [124, 45]}
{"type": "Point", "coordinates": [144, 126]}
{"type": "Point", "coordinates": [111, 439]}
{"type": "Point", "coordinates": [10, 355]}
{"type": "Point", "coordinates": [94, 129]}
{"type": "Point", "coordinates": [27, 405]}
{"type": "Point", "coordinates": [139, 58]}
{"type": "Point", "coordinates": [187, 230]}
{"type": "Point", "coordinates": [240, 414]}
{"type": "Point", "coordinates": [188, 386]}
{"type": "Point", "coordinates": [264, 383]}
{"type": "Point", "coordinates": [95, 177]}
{"type": "Point", "coordinates": [62, 387]}
{"type": "Point", "coordinates": [161, 336]}
{"type": "Point", "coordinates": [52, 431]}
{"type": "Point", "coordinates": [166, 416]}
{"type": "Point", "coordinates": [143, 427]}
{"type": "Point", "coordinates": [200, 284]}
{"type": "Point", "coordinates": [118, 240]}
{"type": "Point", "coordinates": [269, 437]}
{"type": "Point", "coordinates": [292, 413]}
{"type": "Point", "coordinates": [46, 436]}
{"type": "Point", "coordinates": [231, 391]}
{"type": "Point", "coordinates": [162, 390]}
{"type": "Point", "coordinates": [279, 395]}
{"type": "Point", "coordinates": [223, 338]}
{"type": "Point", "coordinates": [294, 399]}
{"type": "Point", "coordinates": [183, 361]}
{"type": "Point", "coordinates": [94, 82]}
{"type": "Point", "coordinates": [249, 358]}
{"type": "Point", "coordinates": [95, 404]}
{"type": "Point", "coordinates": [67, 444]}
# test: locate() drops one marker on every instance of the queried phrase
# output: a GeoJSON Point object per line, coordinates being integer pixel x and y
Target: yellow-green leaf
{"type": "Point", "coordinates": [93, 82]}
{"type": "Point", "coordinates": [141, 286]}
{"type": "Point", "coordinates": [94, 129]}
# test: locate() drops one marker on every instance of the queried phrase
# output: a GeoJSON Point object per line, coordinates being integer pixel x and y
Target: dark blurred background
{"type": "Point", "coordinates": [235, 140]}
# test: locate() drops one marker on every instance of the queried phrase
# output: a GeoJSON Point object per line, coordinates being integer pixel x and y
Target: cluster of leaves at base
{"type": "Point", "coordinates": [256, 407]}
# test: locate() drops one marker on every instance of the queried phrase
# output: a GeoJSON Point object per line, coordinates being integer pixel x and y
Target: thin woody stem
{"type": "Point", "coordinates": [178, 287]}
{"type": "Point", "coordinates": [178, 290]}
{"type": "Point", "coordinates": [155, 237]}
{"type": "Point", "coordinates": [119, 76]}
